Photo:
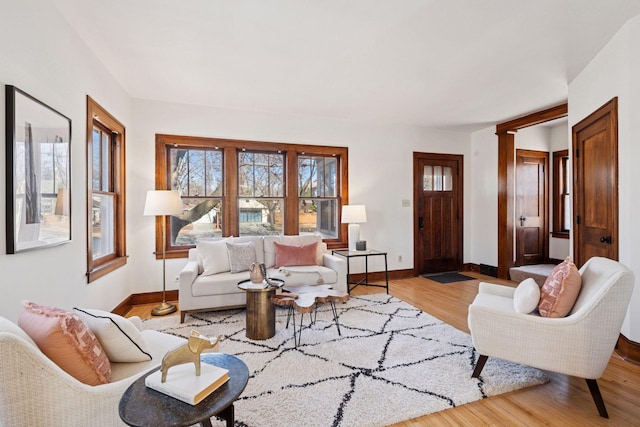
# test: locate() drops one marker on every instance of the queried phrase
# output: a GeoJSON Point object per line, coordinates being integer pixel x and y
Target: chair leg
{"type": "Point", "coordinates": [597, 397]}
{"type": "Point", "coordinates": [479, 365]}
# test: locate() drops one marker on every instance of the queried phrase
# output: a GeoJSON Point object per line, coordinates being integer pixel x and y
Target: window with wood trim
{"type": "Point", "coordinates": [561, 197]}
{"type": "Point", "coordinates": [106, 245]}
{"type": "Point", "coordinates": [241, 188]}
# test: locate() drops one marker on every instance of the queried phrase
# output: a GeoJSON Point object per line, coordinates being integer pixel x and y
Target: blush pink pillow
{"type": "Point", "coordinates": [65, 339]}
{"type": "Point", "coordinates": [290, 255]}
{"type": "Point", "coordinates": [560, 291]}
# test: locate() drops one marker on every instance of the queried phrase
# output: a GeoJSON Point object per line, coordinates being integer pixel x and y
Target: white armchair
{"type": "Point", "coordinates": [579, 344]}
{"type": "Point", "coordinates": [34, 391]}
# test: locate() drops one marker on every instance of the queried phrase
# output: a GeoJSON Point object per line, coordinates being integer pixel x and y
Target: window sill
{"type": "Point", "coordinates": [106, 268]}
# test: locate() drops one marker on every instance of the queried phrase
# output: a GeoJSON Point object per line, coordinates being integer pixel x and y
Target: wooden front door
{"type": "Point", "coordinates": [595, 185]}
{"type": "Point", "coordinates": [532, 210]}
{"type": "Point", "coordinates": [438, 212]}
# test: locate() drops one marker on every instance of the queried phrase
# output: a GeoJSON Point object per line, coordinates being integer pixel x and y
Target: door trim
{"type": "Point", "coordinates": [610, 109]}
{"type": "Point", "coordinates": [417, 189]}
{"type": "Point", "coordinates": [506, 180]}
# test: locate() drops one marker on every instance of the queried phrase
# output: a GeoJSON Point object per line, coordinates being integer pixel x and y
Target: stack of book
{"type": "Point", "coordinates": [183, 384]}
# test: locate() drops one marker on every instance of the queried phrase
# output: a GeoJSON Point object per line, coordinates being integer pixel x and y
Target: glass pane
{"type": "Point", "coordinates": [196, 173]}
{"type": "Point", "coordinates": [329, 177]}
{"type": "Point", "coordinates": [427, 179]}
{"type": "Point", "coordinates": [102, 225]}
{"type": "Point", "coordinates": [437, 178]}
{"type": "Point", "coordinates": [201, 218]}
{"type": "Point", "coordinates": [318, 216]}
{"type": "Point", "coordinates": [179, 167]}
{"type": "Point", "coordinates": [245, 174]}
{"type": "Point", "coordinates": [95, 171]}
{"type": "Point", "coordinates": [447, 179]}
{"type": "Point", "coordinates": [213, 173]}
{"type": "Point", "coordinates": [259, 217]}
{"type": "Point", "coordinates": [306, 177]}
{"type": "Point", "coordinates": [566, 226]}
{"type": "Point", "coordinates": [106, 163]}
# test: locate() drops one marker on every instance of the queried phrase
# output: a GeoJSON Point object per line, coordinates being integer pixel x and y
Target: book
{"type": "Point", "coordinates": [183, 384]}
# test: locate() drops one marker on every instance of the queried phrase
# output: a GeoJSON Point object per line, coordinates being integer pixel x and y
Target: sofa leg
{"type": "Point", "coordinates": [597, 397]}
{"type": "Point", "coordinates": [183, 314]}
{"type": "Point", "coordinates": [479, 365]}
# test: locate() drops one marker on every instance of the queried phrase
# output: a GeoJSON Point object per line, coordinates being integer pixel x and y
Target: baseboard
{"type": "Point", "coordinates": [147, 298]}
{"type": "Point", "coordinates": [628, 350]}
{"type": "Point", "coordinates": [379, 276]}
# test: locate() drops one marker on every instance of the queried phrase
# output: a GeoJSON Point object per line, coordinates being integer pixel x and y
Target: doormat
{"type": "Point", "coordinates": [447, 277]}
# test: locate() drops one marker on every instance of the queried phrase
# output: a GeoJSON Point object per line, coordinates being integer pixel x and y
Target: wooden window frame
{"type": "Point", "coordinates": [230, 147]}
{"type": "Point", "coordinates": [97, 115]}
{"type": "Point", "coordinates": [560, 166]}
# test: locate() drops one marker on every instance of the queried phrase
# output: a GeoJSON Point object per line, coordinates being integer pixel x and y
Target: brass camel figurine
{"type": "Point", "coordinates": [188, 352]}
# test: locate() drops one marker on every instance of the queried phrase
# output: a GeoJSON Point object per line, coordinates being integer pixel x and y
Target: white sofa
{"type": "Point", "coordinates": [220, 291]}
{"type": "Point", "coordinates": [34, 391]}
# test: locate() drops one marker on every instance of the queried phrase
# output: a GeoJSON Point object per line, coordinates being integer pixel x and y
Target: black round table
{"type": "Point", "coordinates": [141, 406]}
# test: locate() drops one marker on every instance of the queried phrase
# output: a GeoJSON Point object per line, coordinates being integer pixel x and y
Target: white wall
{"type": "Point", "coordinates": [614, 72]}
{"type": "Point", "coordinates": [41, 55]}
{"type": "Point", "coordinates": [483, 242]}
{"type": "Point", "coordinates": [380, 172]}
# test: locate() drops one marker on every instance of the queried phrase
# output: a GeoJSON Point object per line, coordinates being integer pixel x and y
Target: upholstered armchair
{"type": "Point", "coordinates": [579, 344]}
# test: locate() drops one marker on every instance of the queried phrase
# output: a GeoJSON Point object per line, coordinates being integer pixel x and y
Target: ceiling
{"type": "Point", "coordinates": [456, 64]}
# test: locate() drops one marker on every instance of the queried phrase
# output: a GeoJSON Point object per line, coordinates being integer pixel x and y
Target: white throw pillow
{"type": "Point", "coordinates": [526, 296]}
{"type": "Point", "coordinates": [214, 255]}
{"type": "Point", "coordinates": [120, 339]}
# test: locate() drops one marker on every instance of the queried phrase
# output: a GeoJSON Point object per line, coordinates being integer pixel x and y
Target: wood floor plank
{"type": "Point", "coordinates": [564, 401]}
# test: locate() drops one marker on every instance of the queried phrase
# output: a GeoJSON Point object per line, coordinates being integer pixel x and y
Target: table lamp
{"type": "Point", "coordinates": [163, 203]}
{"type": "Point", "coordinates": [353, 215]}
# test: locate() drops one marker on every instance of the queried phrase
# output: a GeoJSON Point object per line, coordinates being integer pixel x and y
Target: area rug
{"type": "Point", "coordinates": [450, 277]}
{"type": "Point", "coordinates": [392, 363]}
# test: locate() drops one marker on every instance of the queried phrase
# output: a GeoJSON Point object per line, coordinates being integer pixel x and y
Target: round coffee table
{"type": "Point", "coordinates": [141, 406]}
{"type": "Point", "coordinates": [261, 313]}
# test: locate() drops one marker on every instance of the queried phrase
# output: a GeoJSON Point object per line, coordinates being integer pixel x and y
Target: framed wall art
{"type": "Point", "coordinates": [38, 162]}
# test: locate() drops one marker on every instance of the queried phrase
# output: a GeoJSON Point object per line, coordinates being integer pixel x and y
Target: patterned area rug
{"type": "Point", "coordinates": [392, 363]}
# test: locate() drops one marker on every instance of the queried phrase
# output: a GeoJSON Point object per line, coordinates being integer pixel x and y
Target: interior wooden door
{"type": "Point", "coordinates": [595, 188]}
{"type": "Point", "coordinates": [438, 223]}
{"type": "Point", "coordinates": [532, 207]}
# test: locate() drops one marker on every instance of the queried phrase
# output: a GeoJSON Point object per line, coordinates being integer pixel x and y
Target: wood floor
{"type": "Point", "coordinates": [564, 401]}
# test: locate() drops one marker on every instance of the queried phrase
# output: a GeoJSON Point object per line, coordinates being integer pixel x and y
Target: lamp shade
{"type": "Point", "coordinates": [353, 214]}
{"type": "Point", "coordinates": [163, 202]}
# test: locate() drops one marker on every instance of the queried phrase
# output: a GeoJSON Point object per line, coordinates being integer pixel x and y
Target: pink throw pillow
{"type": "Point", "coordinates": [290, 255]}
{"type": "Point", "coordinates": [65, 339]}
{"type": "Point", "coordinates": [560, 291]}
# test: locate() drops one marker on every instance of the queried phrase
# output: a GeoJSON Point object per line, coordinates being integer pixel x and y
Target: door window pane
{"type": "Point", "coordinates": [427, 178]}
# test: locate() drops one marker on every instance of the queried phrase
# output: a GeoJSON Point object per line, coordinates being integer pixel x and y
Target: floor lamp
{"type": "Point", "coordinates": [163, 203]}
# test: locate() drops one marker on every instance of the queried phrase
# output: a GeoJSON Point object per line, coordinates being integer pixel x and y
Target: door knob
{"type": "Point", "coordinates": [420, 223]}
{"type": "Point", "coordinates": [605, 239]}
{"type": "Point", "coordinates": [522, 220]}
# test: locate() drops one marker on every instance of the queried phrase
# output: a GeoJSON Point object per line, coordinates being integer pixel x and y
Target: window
{"type": "Point", "coordinates": [318, 195]}
{"type": "Point", "coordinates": [561, 198]}
{"type": "Point", "coordinates": [197, 174]}
{"type": "Point", "coordinates": [242, 188]}
{"type": "Point", "coordinates": [260, 193]}
{"type": "Point", "coordinates": [106, 249]}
